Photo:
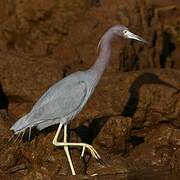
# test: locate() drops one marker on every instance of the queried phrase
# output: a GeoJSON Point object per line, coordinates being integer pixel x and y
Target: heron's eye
{"type": "Point", "coordinates": [125, 32]}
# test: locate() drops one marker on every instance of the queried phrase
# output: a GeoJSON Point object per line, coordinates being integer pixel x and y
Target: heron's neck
{"type": "Point", "coordinates": [104, 54]}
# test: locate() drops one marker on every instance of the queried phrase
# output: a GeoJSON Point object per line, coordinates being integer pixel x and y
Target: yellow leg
{"type": "Point", "coordinates": [83, 145]}
{"type": "Point", "coordinates": [65, 147]}
{"type": "Point", "coordinates": [82, 153]}
{"type": "Point", "coordinates": [65, 144]}
{"type": "Point", "coordinates": [67, 151]}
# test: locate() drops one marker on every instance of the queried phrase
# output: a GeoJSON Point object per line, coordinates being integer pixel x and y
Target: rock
{"type": "Point", "coordinates": [44, 157]}
{"type": "Point", "coordinates": [108, 101]}
{"type": "Point", "coordinates": [135, 109]}
{"type": "Point", "coordinates": [9, 158]}
{"type": "Point", "coordinates": [146, 157]}
{"type": "Point", "coordinates": [175, 137]}
{"type": "Point", "coordinates": [4, 130]}
{"type": "Point", "coordinates": [160, 136]}
{"type": "Point", "coordinates": [148, 97]}
{"type": "Point", "coordinates": [114, 164]}
{"type": "Point", "coordinates": [112, 136]}
{"type": "Point", "coordinates": [37, 175]}
{"type": "Point", "coordinates": [176, 162]}
{"type": "Point", "coordinates": [159, 150]}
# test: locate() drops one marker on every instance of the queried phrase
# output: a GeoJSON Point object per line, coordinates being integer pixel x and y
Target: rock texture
{"type": "Point", "coordinates": [147, 139]}
{"type": "Point", "coordinates": [133, 117]}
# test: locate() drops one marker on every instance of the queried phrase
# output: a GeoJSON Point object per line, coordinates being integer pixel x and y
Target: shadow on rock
{"type": "Point", "coordinates": [3, 99]}
{"type": "Point", "coordinates": [89, 133]}
{"type": "Point", "coordinates": [145, 78]}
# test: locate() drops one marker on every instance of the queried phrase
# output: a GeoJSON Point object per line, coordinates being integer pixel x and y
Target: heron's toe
{"type": "Point", "coordinates": [101, 161]}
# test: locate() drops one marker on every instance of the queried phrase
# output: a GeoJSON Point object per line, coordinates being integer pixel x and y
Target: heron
{"type": "Point", "coordinates": [66, 98]}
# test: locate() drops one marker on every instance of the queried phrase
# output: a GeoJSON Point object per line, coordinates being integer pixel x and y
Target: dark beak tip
{"type": "Point", "coordinates": [143, 41]}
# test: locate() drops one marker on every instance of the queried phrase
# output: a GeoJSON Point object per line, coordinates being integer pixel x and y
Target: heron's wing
{"type": "Point", "coordinates": [60, 101]}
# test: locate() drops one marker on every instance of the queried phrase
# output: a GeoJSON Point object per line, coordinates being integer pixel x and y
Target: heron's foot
{"type": "Point", "coordinates": [84, 146]}
{"type": "Point", "coordinates": [93, 153]}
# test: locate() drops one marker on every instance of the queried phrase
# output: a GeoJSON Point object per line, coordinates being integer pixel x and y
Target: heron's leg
{"type": "Point", "coordinates": [83, 150]}
{"type": "Point", "coordinates": [55, 142]}
{"type": "Point", "coordinates": [67, 151]}
{"type": "Point", "coordinates": [83, 145]}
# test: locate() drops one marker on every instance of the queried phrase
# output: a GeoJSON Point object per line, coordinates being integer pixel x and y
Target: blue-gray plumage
{"type": "Point", "coordinates": [65, 99]}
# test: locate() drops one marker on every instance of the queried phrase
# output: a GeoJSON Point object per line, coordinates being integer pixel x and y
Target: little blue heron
{"type": "Point", "coordinates": [65, 99]}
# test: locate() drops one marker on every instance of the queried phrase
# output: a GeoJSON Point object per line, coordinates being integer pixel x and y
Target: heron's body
{"type": "Point", "coordinates": [60, 103]}
{"type": "Point", "coordinates": [65, 99]}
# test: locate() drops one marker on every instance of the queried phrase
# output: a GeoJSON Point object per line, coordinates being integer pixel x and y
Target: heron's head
{"type": "Point", "coordinates": [123, 31]}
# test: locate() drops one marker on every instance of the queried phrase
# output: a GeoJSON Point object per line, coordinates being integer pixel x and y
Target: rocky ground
{"type": "Point", "coordinates": [133, 117]}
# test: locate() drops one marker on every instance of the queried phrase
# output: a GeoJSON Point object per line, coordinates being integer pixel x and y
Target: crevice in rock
{"type": "Point", "coordinates": [136, 140]}
{"type": "Point", "coordinates": [95, 3]}
{"type": "Point", "coordinates": [66, 70]}
{"type": "Point", "coordinates": [3, 99]}
{"type": "Point", "coordinates": [154, 39]}
{"type": "Point", "coordinates": [168, 48]}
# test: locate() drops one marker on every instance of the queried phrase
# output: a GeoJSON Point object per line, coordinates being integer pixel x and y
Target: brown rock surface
{"type": "Point", "coordinates": [157, 152]}
{"type": "Point", "coordinates": [119, 139]}
{"type": "Point", "coordinates": [132, 119]}
{"type": "Point", "coordinates": [113, 134]}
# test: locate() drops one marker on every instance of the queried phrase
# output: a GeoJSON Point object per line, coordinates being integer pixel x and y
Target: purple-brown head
{"type": "Point", "coordinates": [123, 31]}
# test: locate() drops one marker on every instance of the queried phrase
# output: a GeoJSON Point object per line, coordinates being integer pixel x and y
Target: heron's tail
{"type": "Point", "coordinates": [20, 124]}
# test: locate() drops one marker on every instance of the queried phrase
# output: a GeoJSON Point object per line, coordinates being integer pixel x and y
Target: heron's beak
{"type": "Point", "coordinates": [131, 35]}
